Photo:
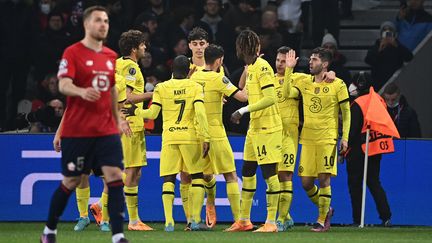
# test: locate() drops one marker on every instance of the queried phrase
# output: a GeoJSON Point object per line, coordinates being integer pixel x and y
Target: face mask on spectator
{"type": "Point", "coordinates": [149, 87]}
{"type": "Point", "coordinates": [352, 89]}
{"type": "Point", "coordinates": [395, 104]}
{"type": "Point", "coordinates": [45, 8]}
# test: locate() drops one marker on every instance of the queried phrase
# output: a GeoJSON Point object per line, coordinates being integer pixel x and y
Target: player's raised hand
{"type": "Point", "coordinates": [329, 76]}
{"type": "Point", "coordinates": [206, 149]}
{"type": "Point", "coordinates": [90, 94]}
{"type": "Point", "coordinates": [291, 59]}
{"type": "Point", "coordinates": [129, 111]}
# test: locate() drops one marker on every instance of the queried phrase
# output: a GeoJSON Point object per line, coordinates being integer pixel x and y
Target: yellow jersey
{"type": "Point", "coordinates": [177, 98]}
{"type": "Point", "coordinates": [121, 88]}
{"type": "Point", "coordinates": [260, 76]}
{"type": "Point", "coordinates": [215, 86]}
{"type": "Point", "coordinates": [321, 109]}
{"type": "Point", "coordinates": [288, 107]}
{"type": "Point", "coordinates": [134, 79]}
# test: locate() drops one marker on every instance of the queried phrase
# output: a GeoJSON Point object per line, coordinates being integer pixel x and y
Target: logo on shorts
{"type": "Point", "coordinates": [71, 166]}
{"type": "Point", "coordinates": [300, 169]}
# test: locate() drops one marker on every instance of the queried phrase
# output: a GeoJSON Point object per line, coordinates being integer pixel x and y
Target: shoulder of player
{"type": "Point", "coordinates": [108, 51]}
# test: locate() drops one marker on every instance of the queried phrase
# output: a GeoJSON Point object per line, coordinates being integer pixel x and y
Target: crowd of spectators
{"type": "Point", "coordinates": [35, 33]}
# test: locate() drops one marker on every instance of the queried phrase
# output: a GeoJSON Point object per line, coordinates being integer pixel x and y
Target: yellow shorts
{"type": "Point", "coordinates": [177, 157]}
{"type": "Point", "coordinates": [289, 149]}
{"type": "Point", "coordinates": [264, 148]}
{"type": "Point", "coordinates": [134, 150]}
{"type": "Point", "coordinates": [220, 159]}
{"type": "Point", "coordinates": [318, 159]}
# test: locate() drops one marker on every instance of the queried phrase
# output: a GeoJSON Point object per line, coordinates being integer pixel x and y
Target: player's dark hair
{"type": "Point", "coordinates": [88, 11]}
{"type": "Point", "coordinates": [283, 49]}
{"type": "Point", "coordinates": [181, 67]}
{"type": "Point", "coordinates": [324, 54]}
{"type": "Point", "coordinates": [129, 40]}
{"type": "Point", "coordinates": [198, 33]}
{"type": "Point", "coordinates": [213, 52]}
{"type": "Point", "coordinates": [391, 88]}
{"type": "Point", "coordinates": [247, 44]}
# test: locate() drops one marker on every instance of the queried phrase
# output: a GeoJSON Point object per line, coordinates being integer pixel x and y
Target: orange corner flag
{"type": "Point", "coordinates": [377, 117]}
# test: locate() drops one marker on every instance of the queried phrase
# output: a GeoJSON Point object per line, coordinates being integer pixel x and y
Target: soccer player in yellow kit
{"type": "Point", "coordinates": [321, 104]}
{"type": "Point", "coordinates": [182, 104]}
{"type": "Point", "coordinates": [263, 145]}
{"type": "Point", "coordinates": [132, 47]}
{"type": "Point", "coordinates": [198, 42]}
{"type": "Point", "coordinates": [221, 157]}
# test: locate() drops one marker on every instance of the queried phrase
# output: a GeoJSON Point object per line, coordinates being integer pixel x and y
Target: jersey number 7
{"type": "Point", "coordinates": [182, 107]}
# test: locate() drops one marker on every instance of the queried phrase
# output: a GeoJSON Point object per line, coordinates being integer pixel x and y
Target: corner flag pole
{"type": "Point", "coordinates": [365, 179]}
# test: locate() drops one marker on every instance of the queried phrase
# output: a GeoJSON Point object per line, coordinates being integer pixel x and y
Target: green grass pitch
{"type": "Point", "coordinates": [30, 232]}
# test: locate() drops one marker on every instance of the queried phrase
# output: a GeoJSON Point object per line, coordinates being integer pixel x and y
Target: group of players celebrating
{"type": "Point", "coordinates": [194, 141]}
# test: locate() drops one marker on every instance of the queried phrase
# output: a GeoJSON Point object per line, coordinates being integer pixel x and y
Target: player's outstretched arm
{"type": "Point", "coordinates": [241, 96]}
{"type": "Point", "coordinates": [138, 98]}
{"type": "Point", "coordinates": [150, 113]}
{"type": "Point", "coordinates": [201, 117]}
{"type": "Point", "coordinates": [242, 81]}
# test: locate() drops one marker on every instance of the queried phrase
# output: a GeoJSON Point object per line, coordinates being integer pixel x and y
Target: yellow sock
{"type": "Point", "coordinates": [313, 195]}
{"type": "Point", "coordinates": [210, 189]}
{"type": "Point", "coordinates": [247, 194]}
{"type": "Point", "coordinates": [272, 195]}
{"type": "Point", "coordinates": [184, 194]}
{"type": "Point", "coordinates": [233, 194]}
{"type": "Point", "coordinates": [196, 197]}
{"type": "Point", "coordinates": [131, 194]}
{"type": "Point", "coordinates": [324, 203]}
{"type": "Point", "coordinates": [104, 202]}
{"type": "Point", "coordinates": [168, 200]}
{"type": "Point", "coordinates": [82, 197]}
{"type": "Point", "coordinates": [285, 199]}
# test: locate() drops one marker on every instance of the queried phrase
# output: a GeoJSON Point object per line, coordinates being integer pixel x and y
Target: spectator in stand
{"type": "Point", "coordinates": [290, 14]}
{"type": "Point", "coordinates": [54, 110]}
{"type": "Point", "coordinates": [44, 8]}
{"type": "Point", "coordinates": [242, 15]}
{"type": "Point", "coordinates": [48, 88]}
{"type": "Point", "coordinates": [50, 46]}
{"type": "Point", "coordinates": [222, 34]}
{"type": "Point", "coordinates": [386, 56]}
{"type": "Point", "coordinates": [339, 60]}
{"type": "Point", "coordinates": [403, 115]}
{"type": "Point", "coordinates": [270, 38]}
{"type": "Point", "coordinates": [413, 23]}
{"type": "Point", "coordinates": [117, 23]}
{"type": "Point", "coordinates": [325, 16]}
{"type": "Point", "coordinates": [17, 31]}
{"type": "Point", "coordinates": [184, 22]}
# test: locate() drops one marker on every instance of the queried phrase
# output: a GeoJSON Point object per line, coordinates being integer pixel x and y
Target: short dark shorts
{"type": "Point", "coordinates": [83, 155]}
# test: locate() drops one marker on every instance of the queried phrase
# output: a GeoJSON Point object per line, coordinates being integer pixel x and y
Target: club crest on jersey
{"type": "Point", "coordinates": [326, 89]}
{"type": "Point", "coordinates": [281, 81]}
{"type": "Point", "coordinates": [132, 71]}
{"type": "Point", "coordinates": [101, 82]}
{"type": "Point", "coordinates": [109, 65]}
{"type": "Point", "coordinates": [317, 90]}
